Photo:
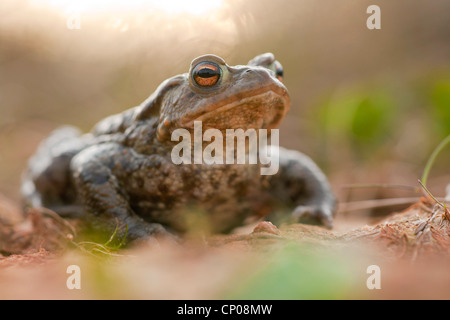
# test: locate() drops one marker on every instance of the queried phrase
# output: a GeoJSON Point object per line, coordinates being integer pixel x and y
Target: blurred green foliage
{"type": "Point", "coordinates": [440, 98]}
{"type": "Point", "coordinates": [294, 273]}
{"type": "Point", "coordinates": [363, 123]}
{"type": "Point", "coordinates": [365, 118]}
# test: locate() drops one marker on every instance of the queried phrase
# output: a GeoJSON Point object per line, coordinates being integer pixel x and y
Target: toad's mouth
{"type": "Point", "coordinates": [260, 111]}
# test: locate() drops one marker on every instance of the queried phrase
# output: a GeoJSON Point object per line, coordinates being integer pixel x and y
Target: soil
{"type": "Point", "coordinates": [414, 243]}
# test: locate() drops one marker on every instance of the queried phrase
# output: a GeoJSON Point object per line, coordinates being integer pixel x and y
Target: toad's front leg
{"type": "Point", "coordinates": [300, 184]}
{"type": "Point", "coordinates": [97, 173]}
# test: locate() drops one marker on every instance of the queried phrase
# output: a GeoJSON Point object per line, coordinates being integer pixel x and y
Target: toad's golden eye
{"type": "Point", "coordinates": [278, 70]}
{"type": "Point", "coordinates": [206, 74]}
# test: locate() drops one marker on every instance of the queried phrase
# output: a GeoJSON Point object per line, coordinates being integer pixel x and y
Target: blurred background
{"type": "Point", "coordinates": [369, 106]}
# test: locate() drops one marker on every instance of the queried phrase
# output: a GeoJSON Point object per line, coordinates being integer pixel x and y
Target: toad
{"type": "Point", "coordinates": [120, 176]}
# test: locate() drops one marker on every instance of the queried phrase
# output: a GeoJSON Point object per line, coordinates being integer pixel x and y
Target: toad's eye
{"type": "Point", "coordinates": [206, 74]}
{"type": "Point", "coordinates": [278, 70]}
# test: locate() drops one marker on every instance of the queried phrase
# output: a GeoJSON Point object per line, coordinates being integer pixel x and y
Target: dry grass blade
{"type": "Point", "coordinates": [421, 227]}
{"type": "Point", "coordinates": [380, 186]}
{"type": "Point", "coordinates": [440, 204]}
{"type": "Point", "coordinates": [58, 219]}
{"type": "Point", "coordinates": [377, 203]}
{"type": "Point", "coordinates": [92, 247]}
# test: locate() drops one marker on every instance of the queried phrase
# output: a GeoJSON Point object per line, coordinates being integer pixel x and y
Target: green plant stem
{"type": "Point", "coordinates": [432, 159]}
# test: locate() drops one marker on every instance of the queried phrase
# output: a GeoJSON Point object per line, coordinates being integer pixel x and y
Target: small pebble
{"type": "Point", "coordinates": [266, 226]}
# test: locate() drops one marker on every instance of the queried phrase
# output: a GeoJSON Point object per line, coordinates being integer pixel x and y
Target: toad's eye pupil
{"type": "Point", "coordinates": [206, 74]}
{"type": "Point", "coordinates": [280, 72]}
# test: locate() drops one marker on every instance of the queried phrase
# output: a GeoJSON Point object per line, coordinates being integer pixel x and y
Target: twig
{"type": "Point", "coordinates": [381, 186]}
{"type": "Point", "coordinates": [372, 204]}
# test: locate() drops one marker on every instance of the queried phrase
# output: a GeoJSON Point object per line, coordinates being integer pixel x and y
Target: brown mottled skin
{"type": "Point", "coordinates": [121, 173]}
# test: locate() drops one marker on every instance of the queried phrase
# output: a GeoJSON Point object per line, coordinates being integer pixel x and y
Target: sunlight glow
{"type": "Point", "coordinates": [194, 7]}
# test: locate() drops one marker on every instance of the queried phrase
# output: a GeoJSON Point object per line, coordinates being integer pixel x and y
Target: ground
{"type": "Point", "coordinates": [411, 248]}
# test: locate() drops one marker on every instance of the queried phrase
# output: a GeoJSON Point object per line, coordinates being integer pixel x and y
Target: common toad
{"type": "Point", "coordinates": [121, 175]}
